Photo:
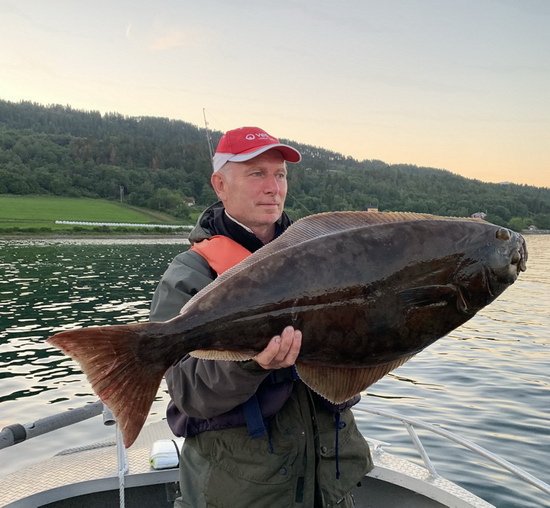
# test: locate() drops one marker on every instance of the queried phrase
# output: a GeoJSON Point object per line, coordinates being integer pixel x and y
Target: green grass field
{"type": "Point", "coordinates": [39, 213]}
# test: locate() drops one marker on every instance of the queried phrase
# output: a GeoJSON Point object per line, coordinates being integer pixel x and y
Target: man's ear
{"type": "Point", "coordinates": [218, 184]}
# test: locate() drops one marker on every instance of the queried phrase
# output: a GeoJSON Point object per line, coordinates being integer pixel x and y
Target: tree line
{"type": "Point", "coordinates": [164, 164]}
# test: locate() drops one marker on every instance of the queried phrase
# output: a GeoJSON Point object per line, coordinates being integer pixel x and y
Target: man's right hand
{"type": "Point", "coordinates": [281, 351]}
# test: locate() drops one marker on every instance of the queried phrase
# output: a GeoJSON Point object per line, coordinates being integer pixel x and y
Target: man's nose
{"type": "Point", "coordinates": [272, 185]}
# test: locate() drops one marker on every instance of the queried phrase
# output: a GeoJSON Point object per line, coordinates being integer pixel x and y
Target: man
{"type": "Point", "coordinates": [256, 436]}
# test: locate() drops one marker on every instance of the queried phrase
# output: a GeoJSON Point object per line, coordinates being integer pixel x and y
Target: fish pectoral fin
{"type": "Point", "coordinates": [338, 384]}
{"type": "Point", "coordinates": [228, 356]}
{"type": "Point", "coordinates": [428, 295]}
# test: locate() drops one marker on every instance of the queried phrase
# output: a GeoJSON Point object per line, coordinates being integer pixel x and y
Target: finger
{"type": "Point", "coordinates": [266, 357]}
{"type": "Point", "coordinates": [287, 339]}
{"type": "Point", "coordinates": [294, 350]}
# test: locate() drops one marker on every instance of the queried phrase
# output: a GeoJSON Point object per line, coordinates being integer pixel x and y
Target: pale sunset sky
{"type": "Point", "coordinates": [462, 85]}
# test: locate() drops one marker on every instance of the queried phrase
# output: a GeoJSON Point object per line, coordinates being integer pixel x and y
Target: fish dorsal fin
{"type": "Point", "coordinates": [323, 224]}
{"type": "Point", "coordinates": [329, 223]}
{"type": "Point", "coordinates": [230, 356]}
{"type": "Point", "coordinates": [338, 384]}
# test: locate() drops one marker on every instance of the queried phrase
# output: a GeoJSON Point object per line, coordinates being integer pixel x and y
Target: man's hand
{"type": "Point", "coordinates": [281, 351]}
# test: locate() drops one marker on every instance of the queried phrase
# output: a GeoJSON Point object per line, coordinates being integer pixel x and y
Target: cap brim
{"type": "Point", "coordinates": [289, 154]}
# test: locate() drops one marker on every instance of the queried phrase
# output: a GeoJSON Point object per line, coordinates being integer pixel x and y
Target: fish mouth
{"type": "Point", "coordinates": [523, 255]}
{"type": "Point", "coordinates": [480, 280]}
{"type": "Point", "coordinates": [513, 260]}
{"type": "Point", "coordinates": [515, 256]}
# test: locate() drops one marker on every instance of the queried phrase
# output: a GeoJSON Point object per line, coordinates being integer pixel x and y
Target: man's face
{"type": "Point", "coordinates": [253, 192]}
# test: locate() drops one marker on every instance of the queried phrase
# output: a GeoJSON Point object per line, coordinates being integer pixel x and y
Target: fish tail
{"type": "Point", "coordinates": [113, 360]}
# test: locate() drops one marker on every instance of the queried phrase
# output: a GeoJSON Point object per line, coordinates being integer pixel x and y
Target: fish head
{"type": "Point", "coordinates": [491, 268]}
{"type": "Point", "coordinates": [509, 257]}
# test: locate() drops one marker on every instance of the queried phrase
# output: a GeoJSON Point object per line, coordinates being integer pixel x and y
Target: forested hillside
{"type": "Point", "coordinates": [161, 163]}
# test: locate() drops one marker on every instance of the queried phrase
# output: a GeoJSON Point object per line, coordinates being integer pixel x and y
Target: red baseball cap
{"type": "Point", "coordinates": [245, 143]}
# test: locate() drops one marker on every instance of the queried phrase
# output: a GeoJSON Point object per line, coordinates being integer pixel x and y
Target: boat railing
{"type": "Point", "coordinates": [17, 433]}
{"type": "Point", "coordinates": [411, 424]}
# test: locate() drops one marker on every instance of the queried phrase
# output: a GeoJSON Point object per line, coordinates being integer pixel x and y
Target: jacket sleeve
{"type": "Point", "coordinates": [200, 388]}
{"type": "Point", "coordinates": [187, 274]}
{"type": "Point", "coordinates": [206, 388]}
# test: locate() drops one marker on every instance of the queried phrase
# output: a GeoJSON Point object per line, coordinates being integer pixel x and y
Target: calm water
{"type": "Point", "coordinates": [487, 381]}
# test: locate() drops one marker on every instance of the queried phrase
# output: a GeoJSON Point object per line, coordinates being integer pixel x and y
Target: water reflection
{"type": "Point", "coordinates": [47, 286]}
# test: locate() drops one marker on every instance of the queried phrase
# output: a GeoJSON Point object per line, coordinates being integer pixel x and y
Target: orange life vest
{"type": "Point", "coordinates": [220, 252]}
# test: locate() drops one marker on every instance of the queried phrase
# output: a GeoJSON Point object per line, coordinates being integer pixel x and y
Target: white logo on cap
{"type": "Point", "coordinates": [259, 135]}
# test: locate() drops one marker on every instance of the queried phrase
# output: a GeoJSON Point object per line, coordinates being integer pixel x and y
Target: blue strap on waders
{"type": "Point", "coordinates": [337, 444]}
{"type": "Point", "coordinates": [253, 417]}
{"type": "Point", "coordinates": [255, 421]}
{"type": "Point", "coordinates": [253, 414]}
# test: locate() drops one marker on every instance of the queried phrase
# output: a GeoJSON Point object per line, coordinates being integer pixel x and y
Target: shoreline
{"type": "Point", "coordinates": [93, 236]}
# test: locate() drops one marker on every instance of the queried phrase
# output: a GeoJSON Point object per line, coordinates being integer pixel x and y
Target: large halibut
{"type": "Point", "coordinates": [368, 290]}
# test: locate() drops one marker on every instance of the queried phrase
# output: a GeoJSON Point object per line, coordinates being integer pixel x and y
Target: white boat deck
{"type": "Point", "coordinates": [94, 469]}
{"type": "Point", "coordinates": [85, 470]}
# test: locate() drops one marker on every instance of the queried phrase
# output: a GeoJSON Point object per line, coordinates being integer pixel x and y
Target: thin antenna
{"type": "Point", "coordinates": [208, 136]}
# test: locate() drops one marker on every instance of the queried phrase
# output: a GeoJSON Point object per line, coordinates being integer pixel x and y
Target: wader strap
{"type": "Point", "coordinates": [336, 444]}
{"type": "Point", "coordinates": [253, 416]}
{"type": "Point", "coordinates": [220, 252]}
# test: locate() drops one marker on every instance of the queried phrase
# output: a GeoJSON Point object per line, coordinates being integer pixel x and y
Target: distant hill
{"type": "Point", "coordinates": [163, 164]}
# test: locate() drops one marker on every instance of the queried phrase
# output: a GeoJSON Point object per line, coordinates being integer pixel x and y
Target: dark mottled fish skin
{"type": "Point", "coordinates": [368, 291]}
